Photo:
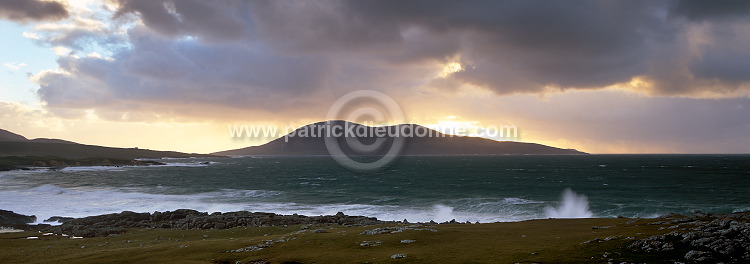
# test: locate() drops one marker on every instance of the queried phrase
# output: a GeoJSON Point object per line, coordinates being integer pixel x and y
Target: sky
{"type": "Point", "coordinates": [597, 76]}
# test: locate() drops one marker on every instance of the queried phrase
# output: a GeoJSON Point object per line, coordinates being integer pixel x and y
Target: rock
{"type": "Point", "coordinates": [247, 249]}
{"type": "Point", "coordinates": [720, 240]}
{"type": "Point", "coordinates": [653, 244]}
{"type": "Point", "coordinates": [407, 241]}
{"type": "Point", "coordinates": [398, 256]}
{"type": "Point", "coordinates": [59, 219]}
{"type": "Point", "coordinates": [592, 241]}
{"type": "Point", "coordinates": [698, 256]}
{"type": "Point", "coordinates": [739, 215]}
{"type": "Point", "coordinates": [670, 215]}
{"type": "Point", "coordinates": [396, 229]}
{"type": "Point", "coordinates": [10, 219]}
{"type": "Point", "coordinates": [370, 243]}
{"type": "Point", "coordinates": [610, 238]}
{"type": "Point", "coordinates": [699, 214]}
{"type": "Point", "coordinates": [103, 225]}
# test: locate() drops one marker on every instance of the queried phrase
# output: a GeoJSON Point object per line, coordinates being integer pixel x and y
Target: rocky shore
{"type": "Point", "coordinates": [8, 163]}
{"type": "Point", "coordinates": [701, 238]}
{"type": "Point", "coordinates": [672, 238]}
{"type": "Point", "coordinates": [182, 219]}
{"type": "Point", "coordinates": [13, 220]}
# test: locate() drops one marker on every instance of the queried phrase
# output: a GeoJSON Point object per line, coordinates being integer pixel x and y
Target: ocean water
{"type": "Point", "coordinates": [440, 188]}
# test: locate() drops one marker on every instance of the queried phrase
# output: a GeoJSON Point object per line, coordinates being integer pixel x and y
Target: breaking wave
{"type": "Point", "coordinates": [572, 205]}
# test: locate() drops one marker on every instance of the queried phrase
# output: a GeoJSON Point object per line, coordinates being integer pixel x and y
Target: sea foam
{"type": "Point", "coordinates": [49, 200]}
{"type": "Point", "coordinates": [572, 205]}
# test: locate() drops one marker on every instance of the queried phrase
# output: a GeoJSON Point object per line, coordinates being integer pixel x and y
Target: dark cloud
{"type": "Point", "coordinates": [699, 10]}
{"type": "Point", "coordinates": [722, 65]}
{"type": "Point", "coordinates": [322, 26]}
{"type": "Point", "coordinates": [235, 60]}
{"type": "Point", "coordinates": [506, 46]}
{"type": "Point", "coordinates": [276, 55]}
{"type": "Point", "coordinates": [157, 70]}
{"type": "Point", "coordinates": [32, 10]}
{"type": "Point", "coordinates": [586, 27]}
{"type": "Point", "coordinates": [210, 20]}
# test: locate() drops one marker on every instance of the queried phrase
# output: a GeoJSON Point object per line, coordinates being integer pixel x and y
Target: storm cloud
{"type": "Point", "coordinates": [698, 10]}
{"type": "Point", "coordinates": [32, 10]}
{"type": "Point", "coordinates": [211, 20]}
{"type": "Point", "coordinates": [602, 76]}
{"type": "Point", "coordinates": [161, 72]}
{"type": "Point", "coordinates": [274, 55]}
{"type": "Point", "coordinates": [526, 46]}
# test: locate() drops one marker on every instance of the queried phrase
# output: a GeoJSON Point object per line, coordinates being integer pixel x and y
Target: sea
{"type": "Point", "coordinates": [496, 188]}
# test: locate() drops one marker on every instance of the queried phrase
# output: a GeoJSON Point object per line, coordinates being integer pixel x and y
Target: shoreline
{"type": "Point", "coordinates": [157, 218]}
{"type": "Point", "coordinates": [187, 219]}
{"type": "Point", "coordinates": [16, 163]}
{"type": "Point", "coordinates": [189, 236]}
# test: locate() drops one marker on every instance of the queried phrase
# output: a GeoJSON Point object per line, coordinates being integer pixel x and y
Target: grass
{"type": "Point", "coordinates": [535, 241]}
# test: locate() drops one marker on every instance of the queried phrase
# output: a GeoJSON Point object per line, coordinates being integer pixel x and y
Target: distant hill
{"type": "Point", "coordinates": [438, 144]}
{"type": "Point", "coordinates": [52, 140]}
{"type": "Point", "coordinates": [12, 144]}
{"type": "Point", "coordinates": [6, 135]}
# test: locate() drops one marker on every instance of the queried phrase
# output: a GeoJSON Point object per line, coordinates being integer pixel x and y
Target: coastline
{"type": "Point", "coordinates": [504, 189]}
{"type": "Point", "coordinates": [11, 163]}
{"type": "Point", "coordinates": [271, 238]}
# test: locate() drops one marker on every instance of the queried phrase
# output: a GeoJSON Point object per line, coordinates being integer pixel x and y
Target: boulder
{"type": "Point", "coordinates": [12, 219]}
{"type": "Point", "coordinates": [59, 219]}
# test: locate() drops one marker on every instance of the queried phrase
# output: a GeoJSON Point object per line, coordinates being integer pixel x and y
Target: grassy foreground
{"type": "Point", "coordinates": [535, 241]}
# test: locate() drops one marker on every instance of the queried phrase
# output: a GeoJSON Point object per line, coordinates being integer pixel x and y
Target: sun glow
{"type": "Point", "coordinates": [454, 126]}
{"type": "Point", "coordinates": [451, 68]}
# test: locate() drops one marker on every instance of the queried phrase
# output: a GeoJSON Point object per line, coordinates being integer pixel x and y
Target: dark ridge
{"type": "Point", "coordinates": [12, 144]}
{"type": "Point", "coordinates": [6, 135]}
{"type": "Point", "coordinates": [52, 140]}
{"type": "Point", "coordinates": [79, 151]}
{"type": "Point", "coordinates": [436, 144]}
